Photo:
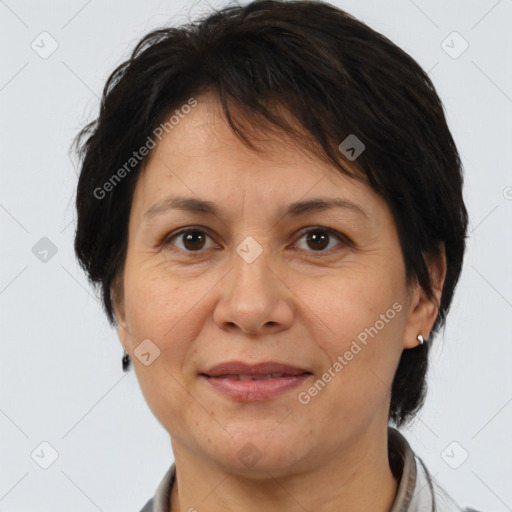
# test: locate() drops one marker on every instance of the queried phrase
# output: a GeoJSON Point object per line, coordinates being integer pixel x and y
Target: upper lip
{"type": "Point", "coordinates": [264, 368]}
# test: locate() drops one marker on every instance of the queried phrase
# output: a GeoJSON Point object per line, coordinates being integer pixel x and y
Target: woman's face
{"type": "Point", "coordinates": [321, 290]}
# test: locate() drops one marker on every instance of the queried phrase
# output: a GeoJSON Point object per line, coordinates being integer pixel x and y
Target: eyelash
{"type": "Point", "coordinates": [345, 241]}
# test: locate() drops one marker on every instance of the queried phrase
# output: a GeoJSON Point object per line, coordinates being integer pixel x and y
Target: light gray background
{"type": "Point", "coordinates": [60, 365]}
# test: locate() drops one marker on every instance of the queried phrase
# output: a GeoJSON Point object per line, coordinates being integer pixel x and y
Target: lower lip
{"type": "Point", "coordinates": [256, 390]}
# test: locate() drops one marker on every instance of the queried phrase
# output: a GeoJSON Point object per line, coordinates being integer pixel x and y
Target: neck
{"type": "Point", "coordinates": [356, 479]}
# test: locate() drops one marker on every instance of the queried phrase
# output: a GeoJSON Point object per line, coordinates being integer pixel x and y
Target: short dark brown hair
{"type": "Point", "coordinates": [337, 77]}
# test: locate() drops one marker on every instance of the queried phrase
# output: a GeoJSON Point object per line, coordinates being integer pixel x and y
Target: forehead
{"type": "Point", "coordinates": [205, 131]}
{"type": "Point", "coordinates": [202, 156]}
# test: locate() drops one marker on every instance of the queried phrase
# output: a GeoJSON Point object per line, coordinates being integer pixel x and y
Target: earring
{"type": "Point", "coordinates": [420, 339]}
{"type": "Point", "coordinates": [126, 361]}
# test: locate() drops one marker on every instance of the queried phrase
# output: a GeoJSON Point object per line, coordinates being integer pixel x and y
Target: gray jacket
{"type": "Point", "coordinates": [417, 491]}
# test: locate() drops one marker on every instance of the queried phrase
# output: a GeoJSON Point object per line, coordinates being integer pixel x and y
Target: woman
{"type": "Point", "coordinates": [271, 202]}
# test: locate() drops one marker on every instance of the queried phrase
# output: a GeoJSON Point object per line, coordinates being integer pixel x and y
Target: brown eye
{"type": "Point", "coordinates": [192, 240]}
{"type": "Point", "coordinates": [319, 239]}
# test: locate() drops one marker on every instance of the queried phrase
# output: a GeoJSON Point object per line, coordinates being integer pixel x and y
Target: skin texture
{"type": "Point", "coordinates": [293, 304]}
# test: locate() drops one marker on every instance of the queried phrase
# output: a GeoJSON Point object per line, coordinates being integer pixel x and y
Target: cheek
{"type": "Point", "coordinates": [167, 309]}
{"type": "Point", "coordinates": [153, 297]}
{"type": "Point", "coordinates": [164, 311]}
{"type": "Point", "coordinates": [359, 322]}
{"type": "Point", "coordinates": [357, 302]}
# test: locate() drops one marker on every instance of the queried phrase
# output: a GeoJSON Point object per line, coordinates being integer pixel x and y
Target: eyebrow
{"type": "Point", "coordinates": [203, 207]}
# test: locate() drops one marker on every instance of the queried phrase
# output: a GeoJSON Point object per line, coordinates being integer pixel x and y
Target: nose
{"type": "Point", "coordinates": [254, 298]}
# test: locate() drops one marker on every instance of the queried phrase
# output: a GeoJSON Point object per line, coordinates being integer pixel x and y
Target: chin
{"type": "Point", "coordinates": [255, 455]}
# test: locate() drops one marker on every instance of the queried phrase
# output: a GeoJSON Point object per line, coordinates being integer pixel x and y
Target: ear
{"type": "Point", "coordinates": [118, 305]}
{"type": "Point", "coordinates": [423, 310]}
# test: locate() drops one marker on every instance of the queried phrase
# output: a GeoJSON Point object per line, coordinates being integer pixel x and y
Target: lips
{"type": "Point", "coordinates": [249, 383]}
{"type": "Point", "coordinates": [244, 371]}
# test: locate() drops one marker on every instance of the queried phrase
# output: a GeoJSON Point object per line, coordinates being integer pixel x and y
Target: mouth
{"type": "Point", "coordinates": [253, 377]}
{"type": "Point", "coordinates": [243, 382]}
